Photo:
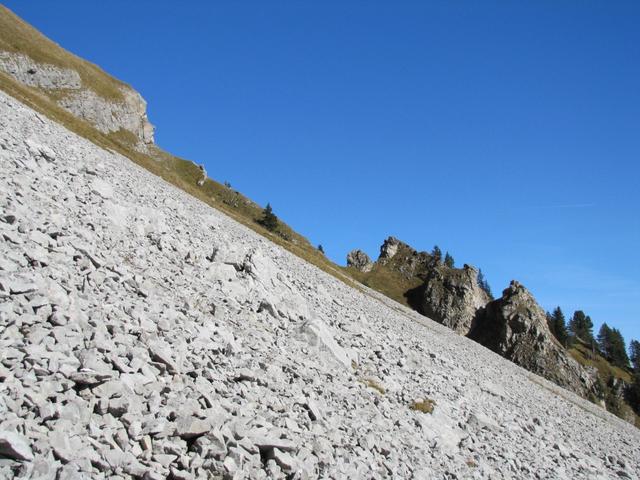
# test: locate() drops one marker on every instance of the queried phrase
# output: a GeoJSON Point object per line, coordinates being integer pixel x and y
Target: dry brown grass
{"type": "Point", "coordinates": [425, 406]}
{"type": "Point", "coordinates": [17, 36]}
{"type": "Point", "coordinates": [373, 384]}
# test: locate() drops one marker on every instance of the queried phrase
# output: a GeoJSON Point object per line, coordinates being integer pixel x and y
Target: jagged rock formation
{"type": "Point", "coordinates": [401, 257]}
{"type": "Point", "coordinates": [389, 248]}
{"type": "Point", "coordinates": [359, 260]}
{"type": "Point", "coordinates": [79, 87]}
{"type": "Point", "coordinates": [452, 297]}
{"type": "Point", "coordinates": [515, 327]}
{"type": "Point", "coordinates": [145, 335]}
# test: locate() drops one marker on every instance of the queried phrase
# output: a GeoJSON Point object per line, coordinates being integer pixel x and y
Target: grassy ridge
{"type": "Point", "coordinates": [17, 36]}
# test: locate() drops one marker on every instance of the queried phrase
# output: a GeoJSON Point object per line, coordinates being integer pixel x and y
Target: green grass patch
{"type": "Point", "coordinates": [387, 281]}
{"type": "Point", "coordinates": [584, 356]}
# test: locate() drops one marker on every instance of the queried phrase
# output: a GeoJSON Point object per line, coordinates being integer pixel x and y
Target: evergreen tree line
{"type": "Point", "coordinates": [609, 342]}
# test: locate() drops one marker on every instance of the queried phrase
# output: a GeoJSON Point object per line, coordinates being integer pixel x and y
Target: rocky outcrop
{"type": "Point", "coordinates": [65, 87]}
{"type": "Point", "coordinates": [359, 260]}
{"type": "Point", "coordinates": [515, 327]}
{"type": "Point", "coordinates": [110, 116]}
{"type": "Point", "coordinates": [45, 76]}
{"type": "Point", "coordinates": [401, 257]}
{"type": "Point", "coordinates": [452, 297]}
{"type": "Point", "coordinates": [389, 248]}
{"type": "Point", "coordinates": [203, 177]}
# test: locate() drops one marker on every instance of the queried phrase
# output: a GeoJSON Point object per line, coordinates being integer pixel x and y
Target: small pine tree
{"type": "Point", "coordinates": [321, 249]}
{"type": "Point", "coordinates": [449, 261]}
{"type": "Point", "coordinates": [618, 353]}
{"type": "Point", "coordinates": [484, 284]}
{"type": "Point", "coordinates": [559, 327]}
{"type": "Point", "coordinates": [604, 340]}
{"type": "Point", "coordinates": [612, 345]}
{"type": "Point", "coordinates": [581, 326]}
{"type": "Point", "coordinates": [634, 354]}
{"type": "Point", "coordinates": [269, 219]}
{"type": "Point", "coordinates": [436, 253]}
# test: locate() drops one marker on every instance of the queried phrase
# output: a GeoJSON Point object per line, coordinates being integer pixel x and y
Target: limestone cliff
{"type": "Point", "coordinates": [73, 83]}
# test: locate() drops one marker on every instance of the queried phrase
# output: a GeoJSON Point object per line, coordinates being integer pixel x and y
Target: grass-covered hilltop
{"type": "Point", "coordinates": [106, 111]}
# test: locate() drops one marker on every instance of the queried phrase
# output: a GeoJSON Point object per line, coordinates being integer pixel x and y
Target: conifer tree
{"type": "Point", "coordinates": [634, 350]}
{"type": "Point", "coordinates": [634, 390]}
{"type": "Point", "coordinates": [449, 261]}
{"type": "Point", "coordinates": [558, 326]}
{"type": "Point", "coordinates": [436, 253]}
{"type": "Point", "coordinates": [581, 326]}
{"type": "Point", "coordinates": [604, 340]}
{"type": "Point", "coordinates": [612, 346]}
{"type": "Point", "coordinates": [269, 219]}
{"type": "Point", "coordinates": [618, 354]}
{"type": "Point", "coordinates": [484, 284]}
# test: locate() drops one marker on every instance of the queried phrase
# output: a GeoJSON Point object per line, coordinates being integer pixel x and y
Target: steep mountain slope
{"type": "Point", "coordinates": [145, 334]}
{"type": "Point", "coordinates": [83, 97]}
{"type": "Point", "coordinates": [91, 103]}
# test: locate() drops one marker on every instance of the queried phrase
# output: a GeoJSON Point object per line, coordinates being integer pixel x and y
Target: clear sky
{"type": "Point", "coordinates": [508, 133]}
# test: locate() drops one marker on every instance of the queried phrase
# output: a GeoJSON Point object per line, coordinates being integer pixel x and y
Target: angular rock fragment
{"type": "Point", "coordinates": [14, 445]}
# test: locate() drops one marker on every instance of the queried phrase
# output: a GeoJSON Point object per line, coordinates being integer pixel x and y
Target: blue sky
{"type": "Point", "coordinates": [508, 133]}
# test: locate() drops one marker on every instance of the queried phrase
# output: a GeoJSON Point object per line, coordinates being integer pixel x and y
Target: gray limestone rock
{"type": "Point", "coordinates": [452, 297]}
{"type": "Point", "coordinates": [515, 326]}
{"type": "Point", "coordinates": [14, 445]}
{"type": "Point", "coordinates": [359, 260]}
{"type": "Point", "coordinates": [106, 115]}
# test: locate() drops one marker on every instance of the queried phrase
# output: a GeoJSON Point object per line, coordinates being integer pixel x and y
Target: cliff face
{"type": "Point", "coordinates": [73, 83]}
{"type": "Point", "coordinates": [515, 327]}
{"type": "Point", "coordinates": [453, 297]}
